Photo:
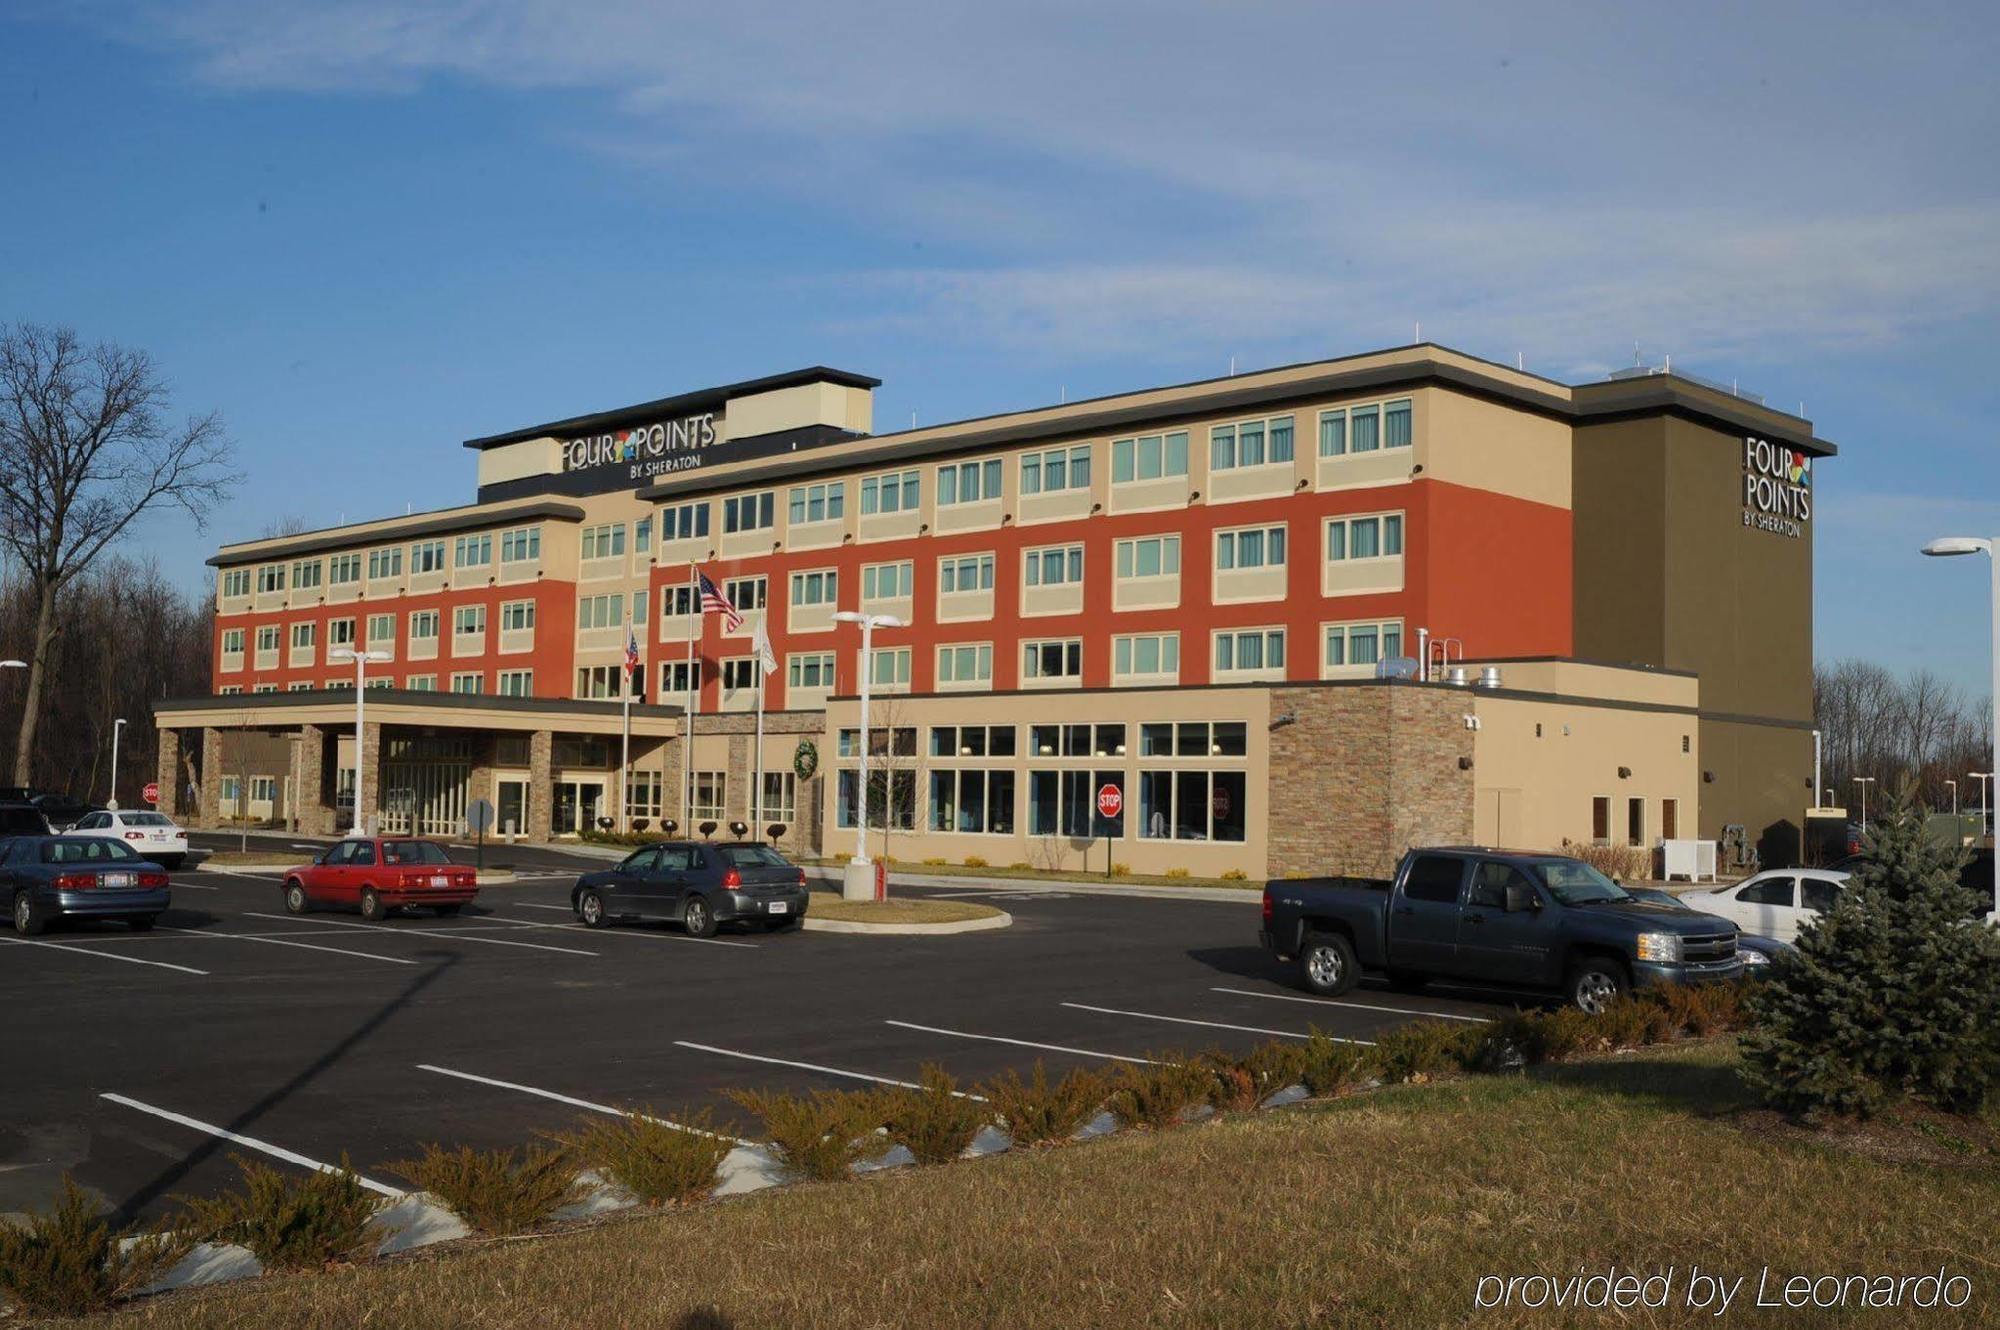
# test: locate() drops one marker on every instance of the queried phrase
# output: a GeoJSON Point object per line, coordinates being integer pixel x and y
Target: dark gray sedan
{"type": "Point", "coordinates": [700, 886]}
{"type": "Point", "coordinates": [50, 878]}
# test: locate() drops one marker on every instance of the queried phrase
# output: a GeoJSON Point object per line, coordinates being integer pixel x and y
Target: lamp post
{"type": "Point", "coordinates": [1954, 799]}
{"type": "Point", "coordinates": [1864, 782]}
{"type": "Point", "coordinates": [1947, 547]}
{"type": "Point", "coordinates": [858, 882]}
{"type": "Point", "coordinates": [1985, 779]}
{"type": "Point", "coordinates": [117, 728]}
{"type": "Point", "coordinates": [361, 659]}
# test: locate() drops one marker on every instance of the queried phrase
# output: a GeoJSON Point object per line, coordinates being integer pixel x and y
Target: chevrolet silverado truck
{"type": "Point", "coordinates": [1492, 917]}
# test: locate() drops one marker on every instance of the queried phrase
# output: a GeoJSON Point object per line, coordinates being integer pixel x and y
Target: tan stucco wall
{"type": "Point", "coordinates": [1481, 444]}
{"type": "Point", "coordinates": [1534, 790]}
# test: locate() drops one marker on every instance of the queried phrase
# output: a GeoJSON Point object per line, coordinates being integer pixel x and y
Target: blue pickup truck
{"type": "Point", "coordinates": [1493, 917]}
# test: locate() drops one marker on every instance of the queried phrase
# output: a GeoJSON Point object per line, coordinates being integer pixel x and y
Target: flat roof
{"type": "Point", "coordinates": [437, 522]}
{"type": "Point", "coordinates": [688, 403]}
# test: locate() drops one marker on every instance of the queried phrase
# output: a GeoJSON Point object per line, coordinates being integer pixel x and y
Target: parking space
{"type": "Point", "coordinates": [235, 1027]}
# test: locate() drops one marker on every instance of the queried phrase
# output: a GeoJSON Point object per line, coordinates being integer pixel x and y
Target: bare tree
{"type": "Point", "coordinates": [85, 450]}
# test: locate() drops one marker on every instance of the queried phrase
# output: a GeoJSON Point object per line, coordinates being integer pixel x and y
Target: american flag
{"type": "Point", "coordinates": [714, 602]}
{"type": "Point", "coordinates": [631, 649]}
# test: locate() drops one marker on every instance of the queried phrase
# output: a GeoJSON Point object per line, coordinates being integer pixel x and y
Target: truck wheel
{"type": "Point", "coordinates": [1327, 964]}
{"type": "Point", "coordinates": [1596, 982]}
{"type": "Point", "coordinates": [372, 908]}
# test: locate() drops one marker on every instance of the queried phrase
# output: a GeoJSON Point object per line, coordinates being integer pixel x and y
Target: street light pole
{"type": "Point", "coordinates": [858, 882]}
{"type": "Point", "coordinates": [1864, 782]}
{"type": "Point", "coordinates": [1950, 546]}
{"type": "Point", "coordinates": [361, 659]}
{"type": "Point", "coordinates": [1954, 799]}
{"type": "Point", "coordinates": [117, 728]}
{"type": "Point", "coordinates": [1985, 778]}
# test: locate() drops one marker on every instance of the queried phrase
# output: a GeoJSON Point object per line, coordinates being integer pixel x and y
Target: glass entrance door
{"type": "Point", "coordinates": [578, 803]}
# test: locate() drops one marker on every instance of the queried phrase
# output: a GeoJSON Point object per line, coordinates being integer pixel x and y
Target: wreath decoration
{"type": "Point", "coordinates": [805, 759]}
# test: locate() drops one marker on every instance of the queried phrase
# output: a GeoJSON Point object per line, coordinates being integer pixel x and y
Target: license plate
{"type": "Point", "coordinates": [440, 881]}
{"type": "Point", "coordinates": [779, 907]}
{"type": "Point", "coordinates": [115, 879]}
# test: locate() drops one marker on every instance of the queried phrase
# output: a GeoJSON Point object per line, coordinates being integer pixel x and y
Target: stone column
{"type": "Point", "coordinates": [167, 771]}
{"type": "Point", "coordinates": [742, 774]}
{"type": "Point", "coordinates": [368, 775]}
{"type": "Point", "coordinates": [315, 813]}
{"type": "Point", "coordinates": [541, 785]}
{"type": "Point", "coordinates": [210, 812]}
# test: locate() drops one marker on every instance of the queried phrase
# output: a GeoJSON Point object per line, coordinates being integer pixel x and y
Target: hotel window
{"type": "Point", "coordinates": [299, 686]}
{"type": "Point", "coordinates": [810, 671]}
{"type": "Point", "coordinates": [1058, 565]}
{"type": "Point", "coordinates": [515, 683]}
{"type": "Point", "coordinates": [1365, 429]}
{"type": "Point", "coordinates": [1149, 457]}
{"type": "Point", "coordinates": [1250, 649]}
{"type": "Point", "coordinates": [972, 663]}
{"type": "Point", "coordinates": [820, 587]}
{"type": "Point", "coordinates": [883, 741]}
{"type": "Point", "coordinates": [1258, 547]}
{"type": "Point", "coordinates": [678, 678]}
{"type": "Point", "coordinates": [1052, 660]}
{"type": "Point", "coordinates": [600, 681]}
{"type": "Point", "coordinates": [892, 799]}
{"type": "Point", "coordinates": [643, 792]}
{"type": "Point", "coordinates": [1363, 643]}
{"type": "Point", "coordinates": [230, 690]}
{"type": "Point", "coordinates": [897, 492]}
{"type": "Point", "coordinates": [521, 545]}
{"type": "Point", "coordinates": [302, 636]}
{"type": "Point", "coordinates": [267, 638]}
{"type": "Point", "coordinates": [642, 535]}
{"type": "Point", "coordinates": [232, 642]}
{"type": "Point", "coordinates": [383, 564]}
{"type": "Point", "coordinates": [973, 802]}
{"type": "Point", "coordinates": [1396, 424]}
{"type": "Point", "coordinates": [468, 683]}
{"type": "Point", "coordinates": [1250, 443]}
{"type": "Point", "coordinates": [340, 632]}
{"type": "Point", "coordinates": [679, 602]}
{"type": "Point", "coordinates": [1192, 805]}
{"type": "Point", "coordinates": [607, 611]}
{"type": "Point", "coordinates": [1600, 820]}
{"type": "Point", "coordinates": [423, 625]}
{"type": "Point", "coordinates": [343, 569]}
{"type": "Point", "coordinates": [1635, 822]}
{"type": "Point", "coordinates": [305, 574]}
{"type": "Point", "coordinates": [818, 503]}
{"type": "Point", "coordinates": [781, 797]}
{"type": "Point", "coordinates": [1065, 803]}
{"type": "Point", "coordinates": [426, 556]}
{"type": "Point", "coordinates": [468, 620]}
{"type": "Point", "coordinates": [887, 581]}
{"type": "Point", "coordinates": [684, 521]}
{"type": "Point", "coordinates": [517, 615]}
{"type": "Point", "coordinates": [707, 793]}
{"type": "Point", "coordinates": [381, 629]}
{"type": "Point", "coordinates": [1057, 469]}
{"type": "Point", "coordinates": [270, 578]}
{"type": "Point", "coordinates": [472, 551]}
{"type": "Point", "coordinates": [1151, 556]}
{"type": "Point", "coordinates": [375, 681]}
{"type": "Point", "coordinates": [972, 741]}
{"type": "Point", "coordinates": [739, 673]}
{"type": "Point", "coordinates": [1378, 537]}
{"type": "Point", "coordinates": [1076, 740]}
{"type": "Point", "coordinates": [1193, 738]}
{"type": "Point", "coordinates": [421, 683]}
{"type": "Point", "coordinates": [272, 688]}
{"type": "Point", "coordinates": [747, 512]}
{"type": "Point", "coordinates": [1146, 655]}
{"type": "Point", "coordinates": [889, 666]}
{"type": "Point", "coordinates": [604, 541]}
{"type": "Point", "coordinates": [973, 572]}
{"type": "Point", "coordinates": [236, 582]}
{"type": "Point", "coordinates": [969, 482]}
{"type": "Point", "coordinates": [748, 593]}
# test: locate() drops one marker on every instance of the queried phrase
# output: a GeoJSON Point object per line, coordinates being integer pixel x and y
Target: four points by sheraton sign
{"type": "Point", "coordinates": [647, 450]}
{"type": "Point", "coordinates": [1777, 488]}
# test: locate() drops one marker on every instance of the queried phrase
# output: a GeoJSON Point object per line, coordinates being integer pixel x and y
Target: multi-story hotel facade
{"type": "Point", "coordinates": [1247, 602]}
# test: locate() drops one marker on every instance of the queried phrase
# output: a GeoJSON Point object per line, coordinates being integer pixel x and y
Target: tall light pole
{"type": "Point", "coordinates": [117, 728]}
{"type": "Point", "coordinates": [1954, 799]}
{"type": "Point", "coordinates": [1864, 782]}
{"type": "Point", "coordinates": [1945, 548]}
{"type": "Point", "coordinates": [858, 882]}
{"type": "Point", "coordinates": [1985, 779]}
{"type": "Point", "coordinates": [361, 659]}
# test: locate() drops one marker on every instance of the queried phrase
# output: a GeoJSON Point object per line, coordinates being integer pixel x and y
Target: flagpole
{"type": "Point", "coordinates": [625, 743]}
{"type": "Point", "coordinates": [693, 701]}
{"type": "Point", "coordinates": [757, 790]}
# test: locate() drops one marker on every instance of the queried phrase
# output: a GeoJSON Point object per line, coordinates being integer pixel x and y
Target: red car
{"type": "Point", "coordinates": [381, 874]}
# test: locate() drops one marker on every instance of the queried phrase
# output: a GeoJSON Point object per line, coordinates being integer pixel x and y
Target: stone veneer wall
{"type": "Point", "coordinates": [1363, 772]}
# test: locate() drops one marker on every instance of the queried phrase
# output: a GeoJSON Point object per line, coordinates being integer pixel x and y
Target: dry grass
{"type": "Point", "coordinates": [825, 906]}
{"type": "Point", "coordinates": [1376, 1210]}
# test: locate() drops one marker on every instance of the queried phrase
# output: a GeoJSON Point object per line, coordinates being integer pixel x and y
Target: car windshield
{"type": "Point", "coordinates": [1576, 883]}
{"type": "Point", "coordinates": [145, 819]}
{"type": "Point", "coordinates": [753, 856]}
{"type": "Point", "coordinates": [413, 852]}
{"type": "Point", "coordinates": [87, 850]}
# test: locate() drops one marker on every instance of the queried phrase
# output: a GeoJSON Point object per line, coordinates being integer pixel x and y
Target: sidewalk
{"type": "Point", "coordinates": [1067, 886]}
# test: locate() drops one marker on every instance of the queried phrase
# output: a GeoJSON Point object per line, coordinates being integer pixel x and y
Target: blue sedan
{"type": "Point", "coordinates": [46, 879]}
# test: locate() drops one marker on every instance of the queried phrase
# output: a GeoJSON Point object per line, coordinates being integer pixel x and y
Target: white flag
{"type": "Point", "coordinates": [760, 642]}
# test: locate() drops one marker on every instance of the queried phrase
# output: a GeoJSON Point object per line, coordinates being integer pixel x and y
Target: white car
{"type": "Point", "coordinates": [152, 835]}
{"type": "Point", "coordinates": [1778, 903]}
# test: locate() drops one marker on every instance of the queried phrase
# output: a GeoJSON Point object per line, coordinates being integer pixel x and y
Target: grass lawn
{"type": "Point", "coordinates": [1379, 1210]}
{"type": "Point", "coordinates": [275, 854]}
{"type": "Point", "coordinates": [827, 905]}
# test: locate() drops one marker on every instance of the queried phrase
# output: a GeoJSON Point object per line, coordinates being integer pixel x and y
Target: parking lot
{"type": "Point", "coordinates": [140, 1062]}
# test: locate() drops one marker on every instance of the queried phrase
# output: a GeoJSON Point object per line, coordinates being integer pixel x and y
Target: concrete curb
{"type": "Point", "coordinates": [1000, 920]}
{"type": "Point", "coordinates": [1252, 895]}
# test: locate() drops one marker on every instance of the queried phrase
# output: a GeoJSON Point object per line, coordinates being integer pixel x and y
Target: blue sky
{"type": "Point", "coordinates": [367, 231]}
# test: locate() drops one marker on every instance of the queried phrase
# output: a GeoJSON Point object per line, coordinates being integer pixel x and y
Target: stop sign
{"type": "Point", "coordinates": [1110, 800]}
{"type": "Point", "coordinates": [151, 794]}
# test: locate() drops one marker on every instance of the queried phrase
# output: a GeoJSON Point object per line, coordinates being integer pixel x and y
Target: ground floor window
{"type": "Point", "coordinates": [1064, 803]}
{"type": "Point", "coordinates": [972, 801]}
{"type": "Point", "coordinates": [1600, 820]}
{"type": "Point", "coordinates": [892, 798]}
{"type": "Point", "coordinates": [781, 798]}
{"type": "Point", "coordinates": [1192, 805]}
{"type": "Point", "coordinates": [707, 795]}
{"type": "Point", "coordinates": [642, 795]}
{"type": "Point", "coordinates": [1635, 822]}
{"type": "Point", "coordinates": [1670, 818]}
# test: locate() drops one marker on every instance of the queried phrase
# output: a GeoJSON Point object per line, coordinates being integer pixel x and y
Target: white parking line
{"type": "Point", "coordinates": [105, 955]}
{"type": "Point", "coordinates": [532, 905]}
{"type": "Point", "coordinates": [282, 942]}
{"type": "Point", "coordinates": [276, 1152]}
{"type": "Point", "coordinates": [178, 885]}
{"type": "Point", "coordinates": [814, 1066]}
{"type": "Point", "coordinates": [623, 932]}
{"type": "Point", "coordinates": [1362, 1006]}
{"type": "Point", "coordinates": [579, 1103]}
{"type": "Point", "coordinates": [380, 931]}
{"type": "Point", "coordinates": [1214, 1025]}
{"type": "Point", "coordinates": [1024, 1043]}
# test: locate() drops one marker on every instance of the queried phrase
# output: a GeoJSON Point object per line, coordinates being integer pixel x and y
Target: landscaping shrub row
{"type": "Point", "coordinates": [69, 1261]}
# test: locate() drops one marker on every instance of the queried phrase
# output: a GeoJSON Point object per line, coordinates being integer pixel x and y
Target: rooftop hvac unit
{"type": "Point", "coordinates": [1457, 676]}
{"type": "Point", "coordinates": [1490, 677]}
